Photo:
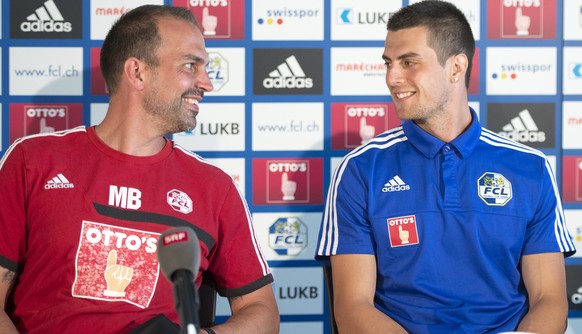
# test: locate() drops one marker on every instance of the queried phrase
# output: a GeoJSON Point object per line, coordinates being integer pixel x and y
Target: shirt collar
{"type": "Point", "coordinates": [429, 145]}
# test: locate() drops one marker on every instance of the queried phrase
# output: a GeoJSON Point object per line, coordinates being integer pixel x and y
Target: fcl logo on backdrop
{"type": "Point", "coordinates": [521, 19]}
{"type": "Point", "coordinates": [572, 179]}
{"type": "Point", "coordinates": [287, 181]}
{"type": "Point", "coordinates": [354, 124]}
{"type": "Point", "coordinates": [219, 19]}
{"type": "Point", "coordinates": [27, 119]}
{"type": "Point", "coordinates": [288, 236]}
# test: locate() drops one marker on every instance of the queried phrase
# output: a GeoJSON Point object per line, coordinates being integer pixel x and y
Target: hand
{"type": "Point", "coordinates": [403, 234]}
{"type": "Point", "coordinates": [288, 188]}
{"type": "Point", "coordinates": [366, 131]}
{"type": "Point", "coordinates": [44, 128]}
{"type": "Point", "coordinates": [209, 23]}
{"type": "Point", "coordinates": [117, 276]}
{"type": "Point", "coordinates": [522, 22]}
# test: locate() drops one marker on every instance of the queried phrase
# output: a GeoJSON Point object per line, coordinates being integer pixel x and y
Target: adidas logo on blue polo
{"type": "Point", "coordinates": [395, 184]}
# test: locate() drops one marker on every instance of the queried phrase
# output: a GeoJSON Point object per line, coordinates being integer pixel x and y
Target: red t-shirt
{"type": "Point", "coordinates": [80, 223]}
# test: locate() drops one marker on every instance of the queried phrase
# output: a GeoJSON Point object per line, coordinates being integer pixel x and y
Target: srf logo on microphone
{"type": "Point", "coordinates": [175, 237]}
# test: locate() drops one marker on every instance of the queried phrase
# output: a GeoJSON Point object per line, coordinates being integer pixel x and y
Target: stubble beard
{"type": "Point", "coordinates": [171, 117]}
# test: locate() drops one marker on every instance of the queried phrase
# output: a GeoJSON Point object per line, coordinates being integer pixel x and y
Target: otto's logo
{"type": "Point", "coordinates": [179, 201]}
{"type": "Point", "coordinates": [521, 3]}
{"type": "Point", "coordinates": [288, 236]}
{"type": "Point", "coordinates": [208, 3]}
{"type": "Point", "coordinates": [366, 111]}
{"type": "Point", "coordinates": [494, 189]}
{"type": "Point", "coordinates": [277, 167]}
{"type": "Point", "coordinates": [402, 231]}
{"type": "Point", "coordinates": [46, 112]}
{"type": "Point", "coordinates": [175, 237]}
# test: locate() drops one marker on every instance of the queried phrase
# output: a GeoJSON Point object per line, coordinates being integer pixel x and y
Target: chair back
{"type": "Point", "coordinates": [207, 295]}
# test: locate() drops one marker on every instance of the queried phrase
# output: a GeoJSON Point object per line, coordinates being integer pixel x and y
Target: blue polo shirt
{"type": "Point", "coordinates": [448, 223]}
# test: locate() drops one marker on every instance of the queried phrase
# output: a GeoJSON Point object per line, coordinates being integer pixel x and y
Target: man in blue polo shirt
{"type": "Point", "coordinates": [439, 225]}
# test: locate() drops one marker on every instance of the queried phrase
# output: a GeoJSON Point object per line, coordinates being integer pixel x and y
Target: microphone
{"type": "Point", "coordinates": [179, 258]}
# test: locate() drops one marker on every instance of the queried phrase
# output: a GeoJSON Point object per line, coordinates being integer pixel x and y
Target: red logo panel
{"type": "Point", "coordinates": [354, 124]}
{"type": "Point", "coordinates": [218, 19]}
{"type": "Point", "coordinates": [402, 231]}
{"type": "Point", "coordinates": [27, 118]}
{"type": "Point", "coordinates": [572, 179]}
{"type": "Point", "coordinates": [474, 81]}
{"type": "Point", "coordinates": [521, 19]}
{"type": "Point", "coordinates": [287, 181]}
{"type": "Point", "coordinates": [98, 86]}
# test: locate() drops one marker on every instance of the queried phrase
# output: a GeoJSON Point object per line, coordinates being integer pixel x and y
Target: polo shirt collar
{"type": "Point", "coordinates": [429, 145]}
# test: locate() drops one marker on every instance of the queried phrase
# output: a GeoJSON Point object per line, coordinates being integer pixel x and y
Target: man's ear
{"type": "Point", "coordinates": [135, 71]}
{"type": "Point", "coordinates": [459, 64]}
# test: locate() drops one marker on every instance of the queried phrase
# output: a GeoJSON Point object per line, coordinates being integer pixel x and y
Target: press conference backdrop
{"type": "Point", "coordinates": [299, 83]}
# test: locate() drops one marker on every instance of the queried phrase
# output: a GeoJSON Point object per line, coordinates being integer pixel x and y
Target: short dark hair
{"type": "Point", "coordinates": [449, 31]}
{"type": "Point", "coordinates": [136, 34]}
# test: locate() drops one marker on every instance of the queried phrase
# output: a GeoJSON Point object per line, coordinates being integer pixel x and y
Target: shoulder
{"type": "Point", "coordinates": [510, 147]}
{"type": "Point", "coordinates": [52, 138]}
{"type": "Point", "coordinates": [200, 166]}
{"type": "Point", "coordinates": [379, 145]}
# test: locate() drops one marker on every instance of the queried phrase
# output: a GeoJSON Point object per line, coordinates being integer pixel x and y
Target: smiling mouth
{"type": "Point", "coordinates": [190, 100]}
{"type": "Point", "coordinates": [404, 95]}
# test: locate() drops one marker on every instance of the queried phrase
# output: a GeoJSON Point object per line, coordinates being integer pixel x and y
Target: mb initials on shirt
{"type": "Point", "coordinates": [402, 231]}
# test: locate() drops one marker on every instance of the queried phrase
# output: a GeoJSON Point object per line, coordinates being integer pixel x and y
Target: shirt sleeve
{"type": "Point", "coordinates": [547, 231]}
{"type": "Point", "coordinates": [237, 263]}
{"type": "Point", "coordinates": [345, 227]}
{"type": "Point", "coordinates": [13, 204]}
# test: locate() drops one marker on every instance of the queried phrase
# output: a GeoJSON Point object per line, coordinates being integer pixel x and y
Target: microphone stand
{"type": "Point", "coordinates": [187, 302]}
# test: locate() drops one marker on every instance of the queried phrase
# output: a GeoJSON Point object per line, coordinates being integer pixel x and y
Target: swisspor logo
{"type": "Point", "coordinates": [532, 124]}
{"type": "Point", "coordinates": [287, 71]}
{"type": "Point", "coordinates": [494, 189]}
{"type": "Point", "coordinates": [46, 19]}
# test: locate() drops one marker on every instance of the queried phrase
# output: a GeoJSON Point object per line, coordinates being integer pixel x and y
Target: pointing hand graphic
{"type": "Point", "coordinates": [288, 188]}
{"type": "Point", "coordinates": [117, 276]}
{"type": "Point", "coordinates": [209, 22]}
{"type": "Point", "coordinates": [403, 234]}
{"type": "Point", "coordinates": [366, 131]}
{"type": "Point", "coordinates": [44, 128]}
{"type": "Point", "coordinates": [522, 22]}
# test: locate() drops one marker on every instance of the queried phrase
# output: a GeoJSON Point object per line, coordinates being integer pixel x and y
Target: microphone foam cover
{"type": "Point", "coordinates": [178, 248]}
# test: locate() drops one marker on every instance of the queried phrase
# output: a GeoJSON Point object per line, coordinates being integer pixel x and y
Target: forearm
{"type": "Point", "coordinates": [545, 317]}
{"type": "Point", "coordinates": [252, 319]}
{"type": "Point", "coordinates": [6, 325]}
{"type": "Point", "coordinates": [362, 319]}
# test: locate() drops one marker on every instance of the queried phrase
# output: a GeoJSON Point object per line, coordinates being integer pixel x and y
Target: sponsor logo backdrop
{"type": "Point", "coordinates": [298, 84]}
